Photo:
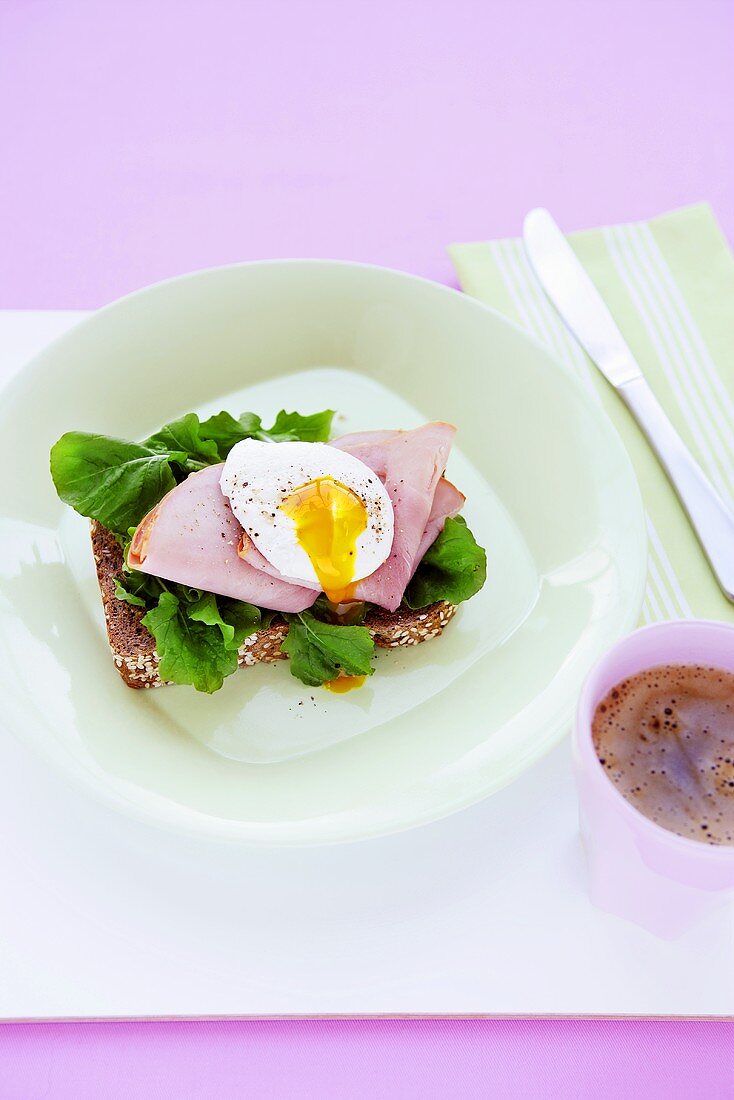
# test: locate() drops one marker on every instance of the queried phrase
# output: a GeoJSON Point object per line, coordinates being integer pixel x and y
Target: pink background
{"type": "Point", "coordinates": [146, 138]}
{"type": "Point", "coordinates": [143, 139]}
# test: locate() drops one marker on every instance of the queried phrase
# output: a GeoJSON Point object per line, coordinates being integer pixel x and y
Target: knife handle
{"type": "Point", "coordinates": [711, 518]}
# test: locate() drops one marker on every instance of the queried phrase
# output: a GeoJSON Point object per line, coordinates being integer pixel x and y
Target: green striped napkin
{"type": "Point", "coordinates": [669, 284]}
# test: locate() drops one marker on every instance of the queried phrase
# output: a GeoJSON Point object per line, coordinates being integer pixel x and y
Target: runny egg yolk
{"type": "Point", "coordinates": [328, 518]}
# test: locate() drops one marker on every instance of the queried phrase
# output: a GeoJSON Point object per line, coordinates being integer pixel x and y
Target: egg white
{"type": "Point", "coordinates": [259, 476]}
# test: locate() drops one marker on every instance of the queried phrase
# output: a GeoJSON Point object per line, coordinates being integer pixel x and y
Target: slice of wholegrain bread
{"type": "Point", "coordinates": [133, 646]}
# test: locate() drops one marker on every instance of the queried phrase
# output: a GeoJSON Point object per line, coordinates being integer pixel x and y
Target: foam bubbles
{"type": "Point", "coordinates": [665, 738]}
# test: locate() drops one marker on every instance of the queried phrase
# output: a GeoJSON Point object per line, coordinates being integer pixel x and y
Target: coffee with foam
{"type": "Point", "coordinates": [665, 738]}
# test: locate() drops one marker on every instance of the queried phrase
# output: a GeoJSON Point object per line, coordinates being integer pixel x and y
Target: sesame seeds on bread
{"type": "Point", "coordinates": [133, 647]}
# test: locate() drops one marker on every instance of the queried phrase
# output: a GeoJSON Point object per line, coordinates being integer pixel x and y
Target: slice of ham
{"type": "Point", "coordinates": [411, 465]}
{"type": "Point", "coordinates": [191, 537]}
{"type": "Point", "coordinates": [247, 550]}
{"type": "Point", "coordinates": [447, 501]}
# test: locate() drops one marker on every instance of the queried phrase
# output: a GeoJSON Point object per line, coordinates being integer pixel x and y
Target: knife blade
{"type": "Point", "coordinates": [576, 298]}
{"type": "Point", "coordinates": [582, 308]}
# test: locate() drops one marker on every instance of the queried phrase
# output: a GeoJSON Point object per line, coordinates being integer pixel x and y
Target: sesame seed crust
{"type": "Point", "coordinates": [133, 646]}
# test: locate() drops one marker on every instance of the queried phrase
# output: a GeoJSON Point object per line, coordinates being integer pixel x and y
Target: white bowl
{"type": "Point", "coordinates": [551, 493]}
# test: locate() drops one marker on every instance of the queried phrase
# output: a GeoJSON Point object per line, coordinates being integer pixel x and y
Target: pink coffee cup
{"type": "Point", "coordinates": [637, 869]}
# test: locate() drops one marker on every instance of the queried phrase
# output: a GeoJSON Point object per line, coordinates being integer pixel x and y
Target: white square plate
{"type": "Point", "coordinates": [484, 912]}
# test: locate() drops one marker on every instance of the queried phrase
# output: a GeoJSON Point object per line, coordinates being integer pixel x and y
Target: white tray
{"type": "Point", "coordinates": [483, 913]}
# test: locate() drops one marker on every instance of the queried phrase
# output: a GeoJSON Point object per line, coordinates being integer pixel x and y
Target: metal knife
{"type": "Point", "coordinates": [582, 308]}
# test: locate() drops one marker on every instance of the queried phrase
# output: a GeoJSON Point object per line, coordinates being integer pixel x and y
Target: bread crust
{"type": "Point", "coordinates": [133, 646]}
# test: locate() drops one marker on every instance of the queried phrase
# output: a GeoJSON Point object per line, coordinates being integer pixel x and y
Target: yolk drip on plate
{"type": "Point", "coordinates": [343, 684]}
{"type": "Point", "coordinates": [329, 518]}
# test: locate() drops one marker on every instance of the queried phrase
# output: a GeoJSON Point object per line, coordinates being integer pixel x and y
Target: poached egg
{"type": "Point", "coordinates": [320, 516]}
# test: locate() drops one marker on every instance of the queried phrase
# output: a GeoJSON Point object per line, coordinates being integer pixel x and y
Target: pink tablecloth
{"type": "Point", "coordinates": [369, 1060]}
{"type": "Point", "coordinates": [143, 139]}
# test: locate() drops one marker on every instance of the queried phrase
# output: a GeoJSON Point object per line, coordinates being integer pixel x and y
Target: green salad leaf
{"type": "Point", "coordinates": [294, 426]}
{"type": "Point", "coordinates": [235, 620]}
{"type": "Point", "coordinates": [197, 639]}
{"type": "Point", "coordinates": [135, 587]}
{"type": "Point", "coordinates": [123, 593]}
{"type": "Point", "coordinates": [454, 568]}
{"type": "Point", "coordinates": [189, 652]}
{"type": "Point", "coordinates": [185, 443]}
{"type": "Point", "coordinates": [117, 482]}
{"type": "Point", "coordinates": [224, 430]}
{"type": "Point", "coordinates": [109, 480]}
{"type": "Point", "coordinates": [319, 651]}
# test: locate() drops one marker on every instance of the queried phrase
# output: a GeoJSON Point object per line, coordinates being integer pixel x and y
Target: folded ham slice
{"type": "Point", "coordinates": [250, 553]}
{"type": "Point", "coordinates": [191, 537]}
{"type": "Point", "coordinates": [410, 464]}
{"type": "Point", "coordinates": [447, 501]}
